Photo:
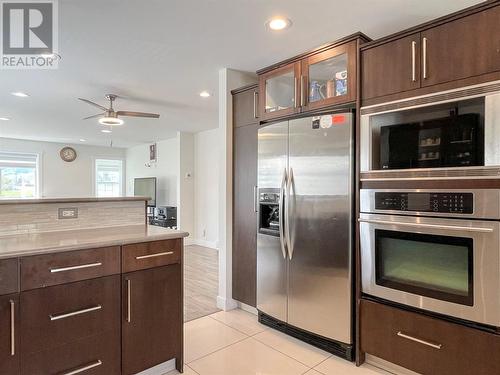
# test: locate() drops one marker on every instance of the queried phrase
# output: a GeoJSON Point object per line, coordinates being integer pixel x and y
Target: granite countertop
{"type": "Point", "coordinates": [71, 200]}
{"type": "Point", "coordinates": [51, 242]}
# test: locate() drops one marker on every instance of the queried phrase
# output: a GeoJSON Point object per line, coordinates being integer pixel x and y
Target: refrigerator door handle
{"type": "Point", "coordinates": [289, 188]}
{"type": "Point", "coordinates": [282, 214]}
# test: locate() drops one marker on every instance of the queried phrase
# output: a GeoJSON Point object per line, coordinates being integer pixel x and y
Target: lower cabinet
{"type": "Point", "coordinates": [427, 345]}
{"type": "Point", "coordinates": [9, 339]}
{"type": "Point", "coordinates": [152, 318]}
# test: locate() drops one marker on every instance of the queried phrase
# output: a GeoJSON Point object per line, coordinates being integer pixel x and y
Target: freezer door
{"type": "Point", "coordinates": [320, 168]}
{"type": "Point", "coordinates": [271, 262]}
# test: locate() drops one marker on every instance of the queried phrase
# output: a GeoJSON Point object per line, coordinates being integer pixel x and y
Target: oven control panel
{"type": "Point", "coordinates": [457, 203]}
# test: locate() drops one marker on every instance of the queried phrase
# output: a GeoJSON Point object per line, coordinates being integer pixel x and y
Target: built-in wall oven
{"type": "Point", "coordinates": [434, 250]}
{"type": "Point", "coordinates": [452, 135]}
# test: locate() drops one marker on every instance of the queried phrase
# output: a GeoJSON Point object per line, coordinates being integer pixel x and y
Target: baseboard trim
{"type": "Point", "coordinates": [160, 369]}
{"type": "Point", "coordinates": [226, 304]}
{"type": "Point", "coordinates": [387, 366]}
{"type": "Point", "coordinates": [204, 243]}
{"type": "Point", "coordinates": [247, 308]}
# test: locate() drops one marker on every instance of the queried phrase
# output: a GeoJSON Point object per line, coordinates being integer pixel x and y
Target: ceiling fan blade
{"type": "Point", "coordinates": [94, 104]}
{"type": "Point", "coordinates": [137, 114]}
{"type": "Point", "coordinates": [93, 116]}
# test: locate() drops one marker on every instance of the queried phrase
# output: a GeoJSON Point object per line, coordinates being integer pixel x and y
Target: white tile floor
{"type": "Point", "coordinates": [234, 343]}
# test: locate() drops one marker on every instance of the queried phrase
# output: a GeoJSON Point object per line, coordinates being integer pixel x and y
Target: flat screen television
{"type": "Point", "coordinates": [146, 187]}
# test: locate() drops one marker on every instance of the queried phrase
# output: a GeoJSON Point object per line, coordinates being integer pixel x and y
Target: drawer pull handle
{"type": "Point", "coordinates": [84, 368]}
{"type": "Point", "coordinates": [74, 313]}
{"type": "Point", "coordinates": [72, 268]}
{"type": "Point", "coordinates": [154, 255]}
{"type": "Point", "coordinates": [129, 308]}
{"type": "Point", "coordinates": [12, 328]}
{"type": "Point", "coordinates": [411, 338]}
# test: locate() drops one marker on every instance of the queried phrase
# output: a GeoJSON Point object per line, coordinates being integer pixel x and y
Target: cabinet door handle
{"type": "Point", "coordinates": [413, 62]}
{"type": "Point", "coordinates": [420, 341]}
{"type": "Point", "coordinates": [255, 101]}
{"type": "Point", "coordinates": [424, 56]}
{"type": "Point", "coordinates": [295, 88]}
{"type": "Point", "coordinates": [84, 368]}
{"type": "Point", "coordinates": [129, 302]}
{"type": "Point", "coordinates": [154, 255]}
{"type": "Point", "coordinates": [12, 328]}
{"type": "Point", "coordinates": [302, 87]}
{"type": "Point", "coordinates": [255, 191]}
{"type": "Point", "coordinates": [74, 313]}
{"type": "Point", "coordinates": [72, 268]}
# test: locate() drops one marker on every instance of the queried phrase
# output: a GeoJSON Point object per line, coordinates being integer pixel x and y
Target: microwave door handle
{"type": "Point", "coordinates": [288, 210]}
{"type": "Point", "coordinates": [428, 226]}
{"type": "Point", "coordinates": [281, 213]}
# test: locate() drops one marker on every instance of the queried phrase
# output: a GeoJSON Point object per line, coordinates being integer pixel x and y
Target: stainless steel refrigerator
{"type": "Point", "coordinates": [304, 241]}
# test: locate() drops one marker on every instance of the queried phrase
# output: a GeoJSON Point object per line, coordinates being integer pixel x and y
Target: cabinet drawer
{"type": "Point", "coordinates": [151, 254]}
{"type": "Point", "coordinates": [9, 276]}
{"type": "Point", "coordinates": [52, 269]}
{"type": "Point", "coordinates": [426, 345]}
{"type": "Point", "coordinates": [97, 355]}
{"type": "Point", "coordinates": [65, 313]}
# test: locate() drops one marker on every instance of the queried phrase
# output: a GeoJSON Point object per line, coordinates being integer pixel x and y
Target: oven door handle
{"type": "Point", "coordinates": [428, 226]}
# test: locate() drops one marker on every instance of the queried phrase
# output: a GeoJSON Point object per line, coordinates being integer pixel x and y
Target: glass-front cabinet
{"type": "Point", "coordinates": [328, 77]}
{"type": "Point", "coordinates": [322, 78]}
{"type": "Point", "coordinates": [279, 91]}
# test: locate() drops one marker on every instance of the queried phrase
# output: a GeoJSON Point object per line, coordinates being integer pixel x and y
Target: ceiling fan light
{"type": "Point", "coordinates": [111, 121]}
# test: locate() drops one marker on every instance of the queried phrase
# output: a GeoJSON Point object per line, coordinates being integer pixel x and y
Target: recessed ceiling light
{"type": "Point", "coordinates": [83, 140]}
{"type": "Point", "coordinates": [4, 119]}
{"type": "Point", "coordinates": [279, 23]}
{"type": "Point", "coordinates": [111, 121]}
{"type": "Point", "coordinates": [205, 94]}
{"type": "Point", "coordinates": [20, 94]}
{"type": "Point", "coordinates": [105, 131]}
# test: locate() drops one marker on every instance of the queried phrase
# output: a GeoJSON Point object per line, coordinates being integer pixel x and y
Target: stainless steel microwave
{"type": "Point", "coordinates": [434, 250]}
{"type": "Point", "coordinates": [453, 134]}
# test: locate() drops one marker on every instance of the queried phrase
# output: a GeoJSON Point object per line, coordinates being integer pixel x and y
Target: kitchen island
{"type": "Point", "coordinates": [102, 299]}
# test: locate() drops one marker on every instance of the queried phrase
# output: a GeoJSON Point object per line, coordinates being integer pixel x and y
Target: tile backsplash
{"type": "Point", "coordinates": [44, 217]}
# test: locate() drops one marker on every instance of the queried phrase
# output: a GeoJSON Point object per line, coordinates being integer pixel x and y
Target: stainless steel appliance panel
{"type": "Point", "coordinates": [319, 227]}
{"type": "Point", "coordinates": [485, 237]}
{"type": "Point", "coordinates": [272, 266]}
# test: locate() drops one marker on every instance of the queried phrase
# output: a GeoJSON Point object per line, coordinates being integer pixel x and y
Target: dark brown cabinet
{"type": "Point", "coordinates": [9, 337]}
{"type": "Point", "coordinates": [152, 318]}
{"type": "Point", "coordinates": [244, 268]}
{"type": "Point", "coordinates": [391, 68]}
{"type": "Point", "coordinates": [460, 50]}
{"type": "Point", "coordinates": [246, 106]}
{"type": "Point", "coordinates": [9, 275]}
{"type": "Point", "coordinates": [426, 345]}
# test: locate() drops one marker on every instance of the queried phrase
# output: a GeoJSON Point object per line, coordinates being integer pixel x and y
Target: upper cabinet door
{"type": "Point", "coordinates": [463, 48]}
{"type": "Point", "coordinates": [245, 107]}
{"type": "Point", "coordinates": [391, 68]}
{"type": "Point", "coordinates": [328, 78]}
{"type": "Point", "coordinates": [279, 94]}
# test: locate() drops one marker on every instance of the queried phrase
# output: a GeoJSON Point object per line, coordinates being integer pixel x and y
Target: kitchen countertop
{"type": "Point", "coordinates": [70, 200]}
{"type": "Point", "coordinates": [68, 240]}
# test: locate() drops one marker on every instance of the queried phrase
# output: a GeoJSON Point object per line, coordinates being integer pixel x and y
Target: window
{"type": "Point", "coordinates": [108, 178]}
{"type": "Point", "coordinates": [18, 175]}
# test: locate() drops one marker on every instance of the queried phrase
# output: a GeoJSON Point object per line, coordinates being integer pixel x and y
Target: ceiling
{"type": "Point", "coordinates": [159, 54]}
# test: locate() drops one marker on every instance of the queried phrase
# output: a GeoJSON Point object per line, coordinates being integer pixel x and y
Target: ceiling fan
{"type": "Point", "coordinates": [110, 116]}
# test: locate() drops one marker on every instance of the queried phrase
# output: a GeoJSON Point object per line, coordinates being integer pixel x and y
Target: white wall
{"type": "Point", "coordinates": [185, 185]}
{"type": "Point", "coordinates": [165, 169]}
{"type": "Point", "coordinates": [57, 177]}
{"type": "Point", "coordinates": [206, 188]}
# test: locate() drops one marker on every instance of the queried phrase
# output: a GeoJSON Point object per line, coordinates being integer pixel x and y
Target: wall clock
{"type": "Point", "coordinates": [68, 154]}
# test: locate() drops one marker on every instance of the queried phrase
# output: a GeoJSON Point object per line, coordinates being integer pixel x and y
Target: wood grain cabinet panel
{"type": "Point", "coordinates": [246, 107]}
{"type": "Point", "coordinates": [426, 345]}
{"type": "Point", "coordinates": [9, 337]}
{"type": "Point", "coordinates": [62, 314]}
{"type": "Point", "coordinates": [244, 216]}
{"type": "Point", "coordinates": [151, 254]}
{"type": "Point", "coordinates": [96, 355]}
{"type": "Point", "coordinates": [9, 276]}
{"type": "Point", "coordinates": [59, 268]}
{"type": "Point", "coordinates": [391, 68]}
{"type": "Point", "coordinates": [152, 318]}
{"type": "Point", "coordinates": [466, 47]}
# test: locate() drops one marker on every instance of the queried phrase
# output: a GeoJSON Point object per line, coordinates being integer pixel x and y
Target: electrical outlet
{"type": "Point", "coordinates": [68, 213]}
